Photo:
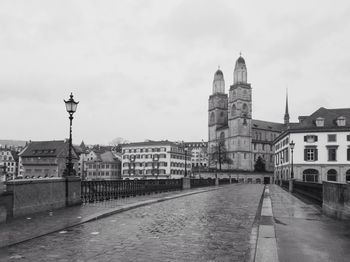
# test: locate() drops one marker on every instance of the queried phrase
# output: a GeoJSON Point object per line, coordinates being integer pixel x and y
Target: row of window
{"type": "Point", "coordinates": [143, 164]}
{"type": "Point", "coordinates": [263, 146]}
{"type": "Point", "coordinates": [148, 156]}
{"type": "Point", "coordinates": [282, 156]}
{"type": "Point", "coordinates": [102, 173]}
{"type": "Point", "coordinates": [144, 150]}
{"type": "Point", "coordinates": [283, 143]}
{"type": "Point", "coordinates": [144, 172]}
{"type": "Point", "coordinates": [102, 166]}
{"type": "Point", "coordinates": [311, 153]}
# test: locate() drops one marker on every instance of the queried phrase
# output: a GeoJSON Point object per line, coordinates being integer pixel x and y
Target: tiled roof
{"type": "Point", "coordinates": [44, 148]}
{"type": "Point", "coordinates": [150, 143]}
{"type": "Point", "coordinates": [330, 116]}
{"type": "Point", "coordinates": [273, 126]}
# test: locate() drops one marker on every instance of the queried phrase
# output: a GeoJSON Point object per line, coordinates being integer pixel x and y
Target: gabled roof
{"type": "Point", "coordinates": [150, 143]}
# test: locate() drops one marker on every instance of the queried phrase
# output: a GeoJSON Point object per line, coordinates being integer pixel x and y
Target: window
{"type": "Point", "coordinates": [233, 110]}
{"type": "Point", "coordinates": [212, 117]}
{"type": "Point", "coordinates": [341, 121]}
{"type": "Point", "coordinates": [310, 138]}
{"type": "Point", "coordinates": [348, 137]}
{"type": "Point", "coordinates": [310, 154]}
{"type": "Point", "coordinates": [332, 154]}
{"type": "Point", "coordinates": [310, 175]}
{"type": "Point", "coordinates": [332, 175]}
{"type": "Point", "coordinates": [348, 153]}
{"type": "Point", "coordinates": [332, 138]}
{"type": "Point", "coordinates": [320, 121]}
{"type": "Point", "coordinates": [347, 177]}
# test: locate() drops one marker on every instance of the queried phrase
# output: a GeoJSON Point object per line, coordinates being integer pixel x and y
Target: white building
{"type": "Point", "coordinates": [154, 159]}
{"type": "Point", "coordinates": [322, 147]}
{"type": "Point", "coordinates": [9, 159]}
{"type": "Point", "coordinates": [199, 153]}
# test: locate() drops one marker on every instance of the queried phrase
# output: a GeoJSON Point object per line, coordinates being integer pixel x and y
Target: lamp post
{"type": "Point", "coordinates": [71, 107]}
{"type": "Point", "coordinates": [292, 144]}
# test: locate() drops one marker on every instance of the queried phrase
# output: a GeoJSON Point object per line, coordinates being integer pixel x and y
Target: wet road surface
{"type": "Point", "coordinates": [210, 226]}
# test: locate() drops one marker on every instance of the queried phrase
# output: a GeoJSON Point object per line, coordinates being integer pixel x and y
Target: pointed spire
{"type": "Point", "coordinates": [286, 114]}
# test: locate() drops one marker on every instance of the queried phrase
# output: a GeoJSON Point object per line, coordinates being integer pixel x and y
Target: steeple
{"type": "Point", "coordinates": [240, 71]}
{"type": "Point", "coordinates": [218, 82]}
{"type": "Point", "coordinates": [286, 114]}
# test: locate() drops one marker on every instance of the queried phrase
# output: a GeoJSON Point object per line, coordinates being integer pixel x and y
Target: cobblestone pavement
{"type": "Point", "coordinates": [210, 226]}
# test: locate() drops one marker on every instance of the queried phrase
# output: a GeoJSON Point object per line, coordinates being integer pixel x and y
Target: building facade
{"type": "Point", "coordinates": [233, 131]}
{"type": "Point", "coordinates": [42, 159]}
{"type": "Point", "coordinates": [199, 154]}
{"type": "Point", "coordinates": [102, 166]}
{"type": "Point", "coordinates": [9, 162]}
{"type": "Point", "coordinates": [321, 151]}
{"type": "Point", "coordinates": [155, 160]}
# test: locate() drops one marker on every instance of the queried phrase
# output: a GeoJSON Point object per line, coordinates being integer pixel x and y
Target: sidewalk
{"type": "Point", "coordinates": [25, 228]}
{"type": "Point", "coordinates": [304, 234]}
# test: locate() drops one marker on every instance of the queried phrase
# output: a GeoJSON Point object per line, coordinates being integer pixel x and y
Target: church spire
{"type": "Point", "coordinates": [286, 114]}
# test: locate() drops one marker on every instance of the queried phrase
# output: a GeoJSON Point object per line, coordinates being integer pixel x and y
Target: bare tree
{"type": "Point", "coordinates": [117, 143]}
{"type": "Point", "coordinates": [219, 154]}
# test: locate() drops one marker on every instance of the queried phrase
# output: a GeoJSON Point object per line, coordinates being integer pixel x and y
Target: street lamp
{"type": "Point", "coordinates": [71, 107]}
{"type": "Point", "coordinates": [292, 144]}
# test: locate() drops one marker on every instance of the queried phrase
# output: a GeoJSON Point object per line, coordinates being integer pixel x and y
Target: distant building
{"type": "Point", "coordinates": [102, 166]}
{"type": "Point", "coordinates": [154, 159]}
{"type": "Point", "coordinates": [199, 154]}
{"type": "Point", "coordinates": [46, 159]}
{"type": "Point", "coordinates": [322, 147]}
{"type": "Point", "coordinates": [9, 162]}
{"type": "Point", "coordinates": [231, 125]}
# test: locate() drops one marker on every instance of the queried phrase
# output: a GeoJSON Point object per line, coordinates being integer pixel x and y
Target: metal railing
{"type": "Point", "coordinates": [92, 191]}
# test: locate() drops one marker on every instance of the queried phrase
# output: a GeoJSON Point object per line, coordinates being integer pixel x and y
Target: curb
{"type": "Point", "coordinates": [266, 247]}
{"type": "Point", "coordinates": [116, 210]}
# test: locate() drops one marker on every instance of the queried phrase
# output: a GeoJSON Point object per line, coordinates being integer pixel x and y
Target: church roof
{"type": "Point", "coordinates": [272, 126]}
{"type": "Point", "coordinates": [240, 60]}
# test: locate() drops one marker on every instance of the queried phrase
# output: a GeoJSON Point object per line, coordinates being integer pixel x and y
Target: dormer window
{"type": "Point", "coordinates": [341, 121]}
{"type": "Point", "coordinates": [320, 121]}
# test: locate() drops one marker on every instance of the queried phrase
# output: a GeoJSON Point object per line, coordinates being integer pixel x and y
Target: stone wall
{"type": "Point", "coordinates": [31, 196]}
{"type": "Point", "coordinates": [6, 203]}
{"type": "Point", "coordinates": [336, 200]}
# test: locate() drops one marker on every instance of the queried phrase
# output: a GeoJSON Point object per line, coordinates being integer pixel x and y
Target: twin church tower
{"type": "Point", "coordinates": [230, 124]}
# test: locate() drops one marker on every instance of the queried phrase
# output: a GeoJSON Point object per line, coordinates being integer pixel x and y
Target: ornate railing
{"type": "Point", "coordinates": [92, 191]}
{"type": "Point", "coordinates": [310, 190]}
{"type": "Point", "coordinates": [202, 182]}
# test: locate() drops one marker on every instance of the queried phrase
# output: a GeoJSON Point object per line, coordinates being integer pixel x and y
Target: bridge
{"type": "Point", "coordinates": [227, 222]}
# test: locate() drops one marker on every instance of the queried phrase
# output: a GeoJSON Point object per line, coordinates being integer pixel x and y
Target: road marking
{"type": "Point", "coordinates": [95, 233]}
{"type": "Point", "coordinates": [63, 232]}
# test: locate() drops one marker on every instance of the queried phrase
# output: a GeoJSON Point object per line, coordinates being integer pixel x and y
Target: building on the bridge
{"type": "Point", "coordinates": [102, 165]}
{"type": "Point", "coordinates": [9, 161]}
{"type": "Point", "coordinates": [230, 123]}
{"type": "Point", "coordinates": [322, 147]}
{"type": "Point", "coordinates": [41, 159]}
{"type": "Point", "coordinates": [154, 159]}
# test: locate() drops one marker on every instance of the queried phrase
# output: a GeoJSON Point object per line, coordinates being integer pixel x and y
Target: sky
{"type": "Point", "coordinates": [144, 69]}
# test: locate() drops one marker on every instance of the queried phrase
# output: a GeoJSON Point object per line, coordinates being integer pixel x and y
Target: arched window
{"type": "Point", "coordinates": [310, 175]}
{"type": "Point", "coordinates": [233, 110]}
{"type": "Point", "coordinates": [347, 176]}
{"type": "Point", "coordinates": [245, 108]}
{"type": "Point", "coordinates": [332, 175]}
{"type": "Point", "coordinates": [212, 117]}
{"type": "Point", "coordinates": [222, 114]}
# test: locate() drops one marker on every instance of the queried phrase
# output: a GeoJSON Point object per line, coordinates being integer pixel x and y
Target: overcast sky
{"type": "Point", "coordinates": [144, 69]}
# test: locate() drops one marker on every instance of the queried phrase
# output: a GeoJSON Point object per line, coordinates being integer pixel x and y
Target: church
{"type": "Point", "coordinates": [233, 132]}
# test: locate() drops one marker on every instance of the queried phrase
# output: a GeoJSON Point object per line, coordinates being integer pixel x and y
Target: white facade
{"type": "Point", "coordinates": [150, 160]}
{"type": "Point", "coordinates": [314, 151]}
